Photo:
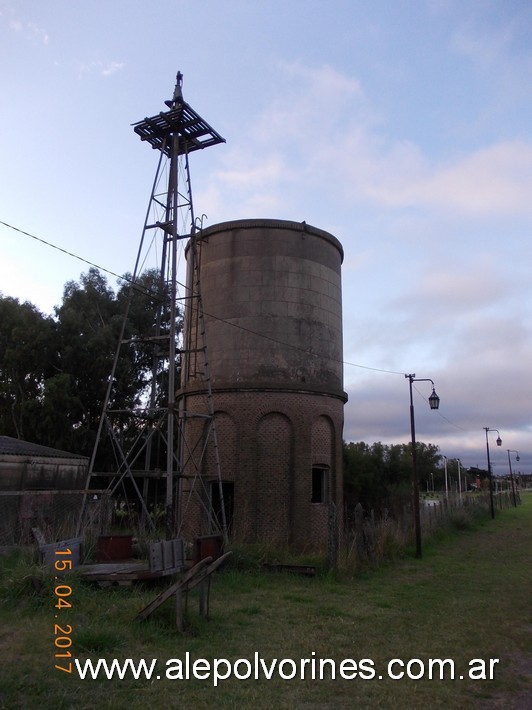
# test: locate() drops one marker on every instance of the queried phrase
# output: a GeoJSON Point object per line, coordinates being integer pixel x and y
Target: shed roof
{"type": "Point", "coordinates": [9, 446]}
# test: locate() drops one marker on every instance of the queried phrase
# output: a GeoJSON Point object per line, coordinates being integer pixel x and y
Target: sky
{"type": "Point", "coordinates": [402, 128]}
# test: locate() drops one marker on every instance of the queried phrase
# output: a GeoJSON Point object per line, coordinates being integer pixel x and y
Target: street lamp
{"type": "Point", "coordinates": [434, 402]}
{"type": "Point", "coordinates": [498, 441]}
{"type": "Point", "coordinates": [513, 451]}
{"type": "Point", "coordinates": [446, 481]}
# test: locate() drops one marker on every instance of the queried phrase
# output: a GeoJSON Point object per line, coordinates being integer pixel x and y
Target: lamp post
{"type": "Point", "coordinates": [498, 441]}
{"type": "Point", "coordinates": [513, 451]}
{"type": "Point", "coordinates": [458, 462]}
{"type": "Point", "coordinates": [434, 402]}
{"type": "Point", "coordinates": [446, 481]}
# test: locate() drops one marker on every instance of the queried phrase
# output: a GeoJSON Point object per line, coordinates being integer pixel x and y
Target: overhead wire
{"type": "Point", "coordinates": [442, 416]}
{"type": "Point", "coordinates": [210, 315]}
{"type": "Point", "coordinates": [222, 320]}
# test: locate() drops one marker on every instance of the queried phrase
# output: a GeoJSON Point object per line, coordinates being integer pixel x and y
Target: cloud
{"type": "Point", "coordinates": [257, 175]}
{"type": "Point", "coordinates": [23, 28]}
{"type": "Point", "coordinates": [255, 187]}
{"type": "Point", "coordinates": [38, 32]}
{"type": "Point", "coordinates": [448, 298]}
{"type": "Point", "coordinates": [474, 393]}
{"type": "Point", "coordinates": [494, 180]}
{"type": "Point", "coordinates": [285, 140]}
{"type": "Point", "coordinates": [100, 67]}
{"type": "Point", "coordinates": [486, 43]}
{"type": "Point", "coordinates": [111, 68]}
{"type": "Point", "coordinates": [435, 272]}
{"type": "Point", "coordinates": [311, 103]}
{"type": "Point", "coordinates": [322, 126]}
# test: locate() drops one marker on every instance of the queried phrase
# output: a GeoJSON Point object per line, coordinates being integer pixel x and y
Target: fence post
{"type": "Point", "coordinates": [359, 531]}
{"type": "Point", "coordinates": [332, 547]}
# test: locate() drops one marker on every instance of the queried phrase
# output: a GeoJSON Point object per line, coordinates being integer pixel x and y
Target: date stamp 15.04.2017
{"type": "Point", "coordinates": [62, 604]}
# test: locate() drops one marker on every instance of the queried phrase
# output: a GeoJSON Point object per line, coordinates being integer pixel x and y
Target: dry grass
{"type": "Point", "coordinates": [468, 598]}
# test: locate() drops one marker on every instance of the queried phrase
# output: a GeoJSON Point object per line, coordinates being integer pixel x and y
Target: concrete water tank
{"type": "Point", "coordinates": [272, 305]}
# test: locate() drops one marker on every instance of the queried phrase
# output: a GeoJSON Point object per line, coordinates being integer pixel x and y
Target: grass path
{"type": "Point", "coordinates": [470, 597]}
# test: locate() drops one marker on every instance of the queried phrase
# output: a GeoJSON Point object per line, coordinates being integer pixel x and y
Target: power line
{"type": "Point", "coordinates": [456, 426]}
{"type": "Point", "coordinates": [64, 251]}
{"type": "Point", "coordinates": [134, 284]}
{"type": "Point", "coordinates": [210, 315]}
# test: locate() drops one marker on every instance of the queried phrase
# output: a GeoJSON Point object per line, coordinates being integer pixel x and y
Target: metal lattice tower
{"type": "Point", "coordinates": [159, 421]}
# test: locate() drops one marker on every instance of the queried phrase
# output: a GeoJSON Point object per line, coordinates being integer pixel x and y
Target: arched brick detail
{"type": "Point", "coordinates": [200, 472]}
{"type": "Point", "coordinates": [323, 446]}
{"type": "Point", "coordinates": [322, 441]}
{"type": "Point", "coordinates": [273, 478]}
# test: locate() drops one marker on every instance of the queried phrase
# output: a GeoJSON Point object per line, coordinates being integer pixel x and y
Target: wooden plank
{"type": "Point", "coordinates": [156, 603]}
{"type": "Point", "coordinates": [109, 568]}
{"type": "Point", "coordinates": [119, 577]}
{"type": "Point", "coordinates": [204, 573]}
{"type": "Point", "coordinates": [140, 572]}
{"type": "Point", "coordinates": [178, 553]}
{"type": "Point", "coordinates": [39, 537]}
{"type": "Point", "coordinates": [167, 555]}
{"type": "Point", "coordinates": [155, 557]}
{"type": "Point", "coordinates": [47, 552]}
{"type": "Point", "coordinates": [196, 575]}
{"type": "Point", "coordinates": [166, 546]}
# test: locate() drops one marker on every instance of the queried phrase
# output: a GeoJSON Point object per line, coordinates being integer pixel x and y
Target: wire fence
{"type": "Point", "coordinates": [373, 538]}
{"type": "Point", "coordinates": [55, 512]}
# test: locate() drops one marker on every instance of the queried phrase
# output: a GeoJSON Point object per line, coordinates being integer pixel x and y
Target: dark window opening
{"type": "Point", "coordinates": [228, 492]}
{"type": "Point", "coordinates": [319, 485]}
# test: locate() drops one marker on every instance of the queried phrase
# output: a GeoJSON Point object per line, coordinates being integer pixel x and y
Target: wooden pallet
{"type": "Point", "coordinates": [165, 557]}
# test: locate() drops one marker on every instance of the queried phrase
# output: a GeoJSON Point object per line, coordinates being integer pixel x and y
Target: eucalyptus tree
{"type": "Point", "coordinates": [54, 370]}
{"type": "Point", "coordinates": [380, 475]}
{"type": "Point", "coordinates": [28, 357]}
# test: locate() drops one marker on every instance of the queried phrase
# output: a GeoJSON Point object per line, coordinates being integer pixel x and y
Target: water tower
{"type": "Point", "coordinates": [271, 309]}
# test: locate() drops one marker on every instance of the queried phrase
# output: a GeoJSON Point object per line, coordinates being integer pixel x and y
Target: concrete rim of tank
{"type": "Point", "coordinates": [195, 389]}
{"type": "Point", "coordinates": [273, 224]}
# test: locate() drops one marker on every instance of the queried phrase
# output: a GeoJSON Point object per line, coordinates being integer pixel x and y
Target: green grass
{"type": "Point", "coordinates": [469, 597]}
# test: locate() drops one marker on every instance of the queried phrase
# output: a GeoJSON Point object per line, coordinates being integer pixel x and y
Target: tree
{"type": "Point", "coordinates": [28, 357]}
{"type": "Point", "coordinates": [148, 323]}
{"type": "Point", "coordinates": [90, 322]}
{"type": "Point", "coordinates": [54, 372]}
{"type": "Point", "coordinates": [380, 476]}
{"type": "Point", "coordinates": [88, 325]}
{"type": "Point", "coordinates": [428, 464]}
{"type": "Point", "coordinates": [60, 415]}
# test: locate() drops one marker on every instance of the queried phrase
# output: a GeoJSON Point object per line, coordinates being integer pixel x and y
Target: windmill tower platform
{"type": "Point", "coordinates": [149, 438]}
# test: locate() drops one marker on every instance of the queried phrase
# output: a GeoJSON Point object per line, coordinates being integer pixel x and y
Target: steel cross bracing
{"type": "Point", "coordinates": [193, 458]}
{"type": "Point", "coordinates": [158, 424]}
